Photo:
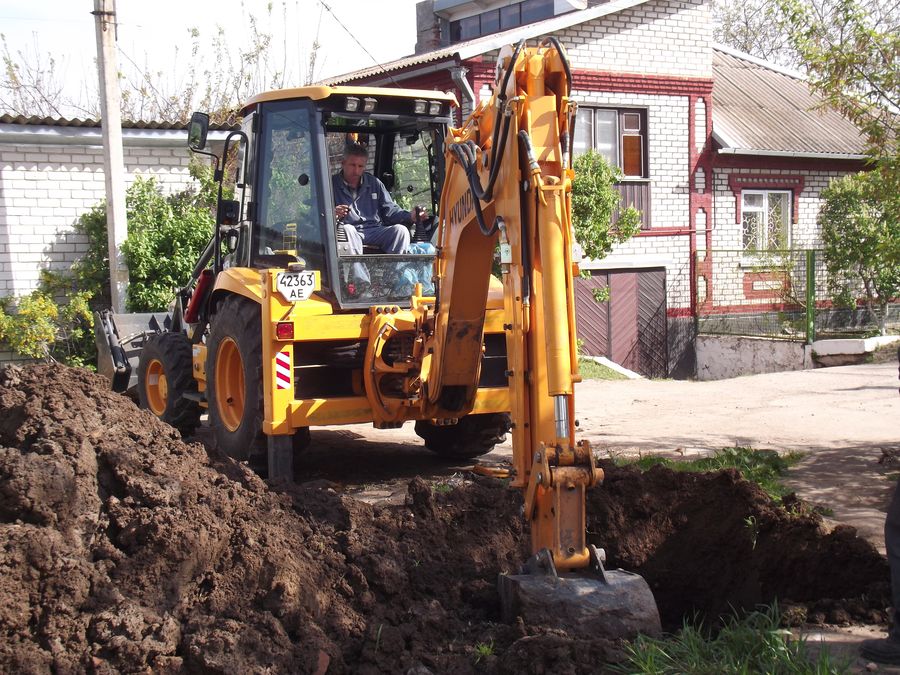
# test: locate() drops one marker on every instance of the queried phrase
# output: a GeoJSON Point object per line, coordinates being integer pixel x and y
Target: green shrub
{"type": "Point", "coordinates": [165, 238]}
{"type": "Point", "coordinates": [41, 329]}
{"type": "Point", "coordinates": [594, 201]}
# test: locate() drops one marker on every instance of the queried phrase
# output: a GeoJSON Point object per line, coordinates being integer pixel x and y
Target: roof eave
{"type": "Point", "coordinates": [754, 152]}
{"type": "Point", "coordinates": [34, 134]}
{"type": "Point", "coordinates": [479, 46]}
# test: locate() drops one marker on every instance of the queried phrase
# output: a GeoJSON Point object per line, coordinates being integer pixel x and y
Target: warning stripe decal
{"type": "Point", "coordinates": [283, 370]}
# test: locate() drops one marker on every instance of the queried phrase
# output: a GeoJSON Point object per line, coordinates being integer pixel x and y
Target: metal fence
{"type": "Point", "coordinates": [786, 294]}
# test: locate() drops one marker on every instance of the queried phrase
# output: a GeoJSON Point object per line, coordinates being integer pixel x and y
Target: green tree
{"type": "Point", "coordinates": [850, 49]}
{"type": "Point", "coordinates": [595, 203]}
{"type": "Point", "coordinates": [859, 233]}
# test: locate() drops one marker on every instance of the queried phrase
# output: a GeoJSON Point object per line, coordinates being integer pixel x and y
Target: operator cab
{"type": "Point", "coordinates": [297, 140]}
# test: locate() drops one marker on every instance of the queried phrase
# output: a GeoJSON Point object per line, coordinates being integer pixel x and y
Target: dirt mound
{"type": "Point", "coordinates": [123, 548]}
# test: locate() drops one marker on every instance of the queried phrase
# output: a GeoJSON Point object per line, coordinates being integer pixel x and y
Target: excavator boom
{"type": "Point", "coordinates": [508, 185]}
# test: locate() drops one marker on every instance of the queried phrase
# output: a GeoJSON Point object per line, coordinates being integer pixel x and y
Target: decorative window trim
{"type": "Point", "coordinates": [739, 182]}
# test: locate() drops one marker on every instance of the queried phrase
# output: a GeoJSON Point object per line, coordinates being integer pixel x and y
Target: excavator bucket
{"type": "Point", "coordinates": [593, 603]}
{"type": "Point", "coordinates": [119, 339]}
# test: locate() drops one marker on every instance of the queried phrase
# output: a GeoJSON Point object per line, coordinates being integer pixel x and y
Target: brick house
{"type": "Point", "coordinates": [713, 144]}
{"type": "Point", "coordinates": [718, 150]}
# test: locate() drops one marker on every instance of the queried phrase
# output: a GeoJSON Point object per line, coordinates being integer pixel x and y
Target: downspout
{"type": "Point", "coordinates": [467, 105]}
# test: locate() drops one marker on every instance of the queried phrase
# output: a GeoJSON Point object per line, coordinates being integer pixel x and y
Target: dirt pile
{"type": "Point", "coordinates": [123, 548]}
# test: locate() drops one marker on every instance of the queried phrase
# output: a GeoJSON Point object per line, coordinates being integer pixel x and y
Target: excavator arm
{"type": "Point", "coordinates": [509, 180]}
{"type": "Point", "coordinates": [508, 186]}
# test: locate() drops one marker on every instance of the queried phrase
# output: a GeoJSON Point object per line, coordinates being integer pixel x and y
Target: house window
{"type": "Point", "coordinates": [765, 219]}
{"type": "Point", "coordinates": [619, 135]}
{"type": "Point", "coordinates": [510, 16]}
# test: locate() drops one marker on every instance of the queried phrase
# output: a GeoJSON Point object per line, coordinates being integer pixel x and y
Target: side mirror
{"type": "Point", "coordinates": [232, 237]}
{"type": "Point", "coordinates": [229, 211]}
{"type": "Point", "coordinates": [197, 131]}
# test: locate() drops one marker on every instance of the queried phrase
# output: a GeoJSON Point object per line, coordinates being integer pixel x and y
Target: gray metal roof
{"type": "Point", "coordinates": [761, 109]}
{"type": "Point", "coordinates": [486, 43]}
{"type": "Point", "coordinates": [91, 123]}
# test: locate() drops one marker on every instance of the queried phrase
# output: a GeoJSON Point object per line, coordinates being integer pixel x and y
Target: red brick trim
{"type": "Point", "coordinates": [805, 164]}
{"type": "Point", "coordinates": [752, 278]}
{"type": "Point", "coordinates": [595, 80]}
{"type": "Point", "coordinates": [739, 182]}
{"type": "Point", "coordinates": [665, 232]}
{"type": "Point", "coordinates": [679, 312]}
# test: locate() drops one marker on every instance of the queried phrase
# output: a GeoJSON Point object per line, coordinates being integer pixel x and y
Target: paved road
{"type": "Point", "coordinates": [841, 418]}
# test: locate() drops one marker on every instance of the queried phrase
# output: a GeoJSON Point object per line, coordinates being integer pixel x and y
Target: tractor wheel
{"type": "Point", "coordinates": [234, 378]}
{"type": "Point", "coordinates": [472, 436]}
{"type": "Point", "coordinates": [164, 375]}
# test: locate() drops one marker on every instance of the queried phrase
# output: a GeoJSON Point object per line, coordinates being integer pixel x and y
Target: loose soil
{"type": "Point", "coordinates": [124, 549]}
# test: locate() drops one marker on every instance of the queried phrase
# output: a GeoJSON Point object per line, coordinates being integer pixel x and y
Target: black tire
{"type": "Point", "coordinates": [234, 358]}
{"type": "Point", "coordinates": [472, 436]}
{"type": "Point", "coordinates": [164, 375]}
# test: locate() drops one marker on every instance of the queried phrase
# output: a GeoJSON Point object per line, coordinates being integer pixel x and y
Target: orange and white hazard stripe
{"type": "Point", "coordinates": [283, 370]}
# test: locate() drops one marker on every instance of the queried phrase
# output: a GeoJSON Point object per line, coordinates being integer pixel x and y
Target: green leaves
{"type": "Point", "coordinates": [165, 237]}
{"type": "Point", "coordinates": [861, 236]}
{"type": "Point", "coordinates": [594, 202]}
{"type": "Point", "coordinates": [851, 50]}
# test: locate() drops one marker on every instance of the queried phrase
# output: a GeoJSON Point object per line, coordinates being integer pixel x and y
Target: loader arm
{"type": "Point", "coordinates": [509, 181]}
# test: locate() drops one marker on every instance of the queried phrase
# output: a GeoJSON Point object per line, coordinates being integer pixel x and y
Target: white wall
{"type": "Point", "coordinates": [44, 188]}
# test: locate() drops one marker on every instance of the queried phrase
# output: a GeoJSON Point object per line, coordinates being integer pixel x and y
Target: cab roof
{"type": "Point", "coordinates": [320, 92]}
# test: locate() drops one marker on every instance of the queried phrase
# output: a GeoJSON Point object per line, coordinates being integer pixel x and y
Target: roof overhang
{"type": "Point", "coordinates": [727, 147]}
{"type": "Point", "coordinates": [46, 134]}
{"type": "Point", "coordinates": [467, 50]}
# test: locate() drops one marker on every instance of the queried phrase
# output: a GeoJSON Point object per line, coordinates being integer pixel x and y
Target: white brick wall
{"type": "Point", "coordinates": [729, 265]}
{"type": "Point", "coordinates": [667, 148]}
{"type": "Point", "coordinates": [45, 188]}
{"type": "Point", "coordinates": [662, 37]}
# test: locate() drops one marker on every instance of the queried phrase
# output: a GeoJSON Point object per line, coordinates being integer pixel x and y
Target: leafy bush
{"type": "Point", "coordinates": [594, 202]}
{"type": "Point", "coordinates": [165, 238]}
{"type": "Point", "coordinates": [41, 329]}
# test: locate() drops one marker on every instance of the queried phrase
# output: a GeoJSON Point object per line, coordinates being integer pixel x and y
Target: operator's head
{"type": "Point", "coordinates": [354, 164]}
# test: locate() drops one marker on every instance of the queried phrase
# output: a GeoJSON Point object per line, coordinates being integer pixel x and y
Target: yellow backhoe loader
{"type": "Point", "coordinates": [276, 333]}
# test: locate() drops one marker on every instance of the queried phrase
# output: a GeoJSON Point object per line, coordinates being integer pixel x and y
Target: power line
{"type": "Point", "coordinates": [347, 30]}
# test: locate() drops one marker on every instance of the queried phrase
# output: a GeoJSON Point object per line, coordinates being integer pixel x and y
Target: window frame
{"type": "Point", "coordinates": [620, 133]}
{"type": "Point", "coordinates": [764, 223]}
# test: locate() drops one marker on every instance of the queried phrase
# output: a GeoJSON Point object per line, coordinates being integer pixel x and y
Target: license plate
{"type": "Point", "coordinates": [296, 286]}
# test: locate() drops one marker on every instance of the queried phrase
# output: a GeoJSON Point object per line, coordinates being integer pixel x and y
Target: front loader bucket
{"type": "Point", "coordinates": [120, 338]}
{"type": "Point", "coordinates": [588, 604]}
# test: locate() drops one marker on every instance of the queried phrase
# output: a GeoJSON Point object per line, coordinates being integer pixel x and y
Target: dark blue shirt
{"type": "Point", "coordinates": [371, 205]}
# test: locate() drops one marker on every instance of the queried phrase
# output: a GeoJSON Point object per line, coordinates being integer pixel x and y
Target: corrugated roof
{"type": "Point", "coordinates": [90, 123]}
{"type": "Point", "coordinates": [487, 43]}
{"type": "Point", "coordinates": [759, 108]}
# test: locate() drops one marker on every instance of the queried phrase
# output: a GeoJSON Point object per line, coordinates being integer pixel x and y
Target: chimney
{"type": "Point", "coordinates": [428, 27]}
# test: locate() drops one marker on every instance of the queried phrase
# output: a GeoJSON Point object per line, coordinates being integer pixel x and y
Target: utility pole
{"type": "Point", "coordinates": [113, 157]}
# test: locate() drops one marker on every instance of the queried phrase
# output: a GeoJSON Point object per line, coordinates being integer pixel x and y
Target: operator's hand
{"type": "Point", "coordinates": [341, 211]}
{"type": "Point", "coordinates": [420, 215]}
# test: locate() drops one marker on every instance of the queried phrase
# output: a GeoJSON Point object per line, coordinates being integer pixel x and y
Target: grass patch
{"type": "Point", "coordinates": [752, 644]}
{"type": "Point", "coordinates": [763, 467]}
{"type": "Point", "coordinates": [591, 370]}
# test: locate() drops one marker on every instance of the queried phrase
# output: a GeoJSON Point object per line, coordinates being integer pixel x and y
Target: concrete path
{"type": "Point", "coordinates": [841, 418]}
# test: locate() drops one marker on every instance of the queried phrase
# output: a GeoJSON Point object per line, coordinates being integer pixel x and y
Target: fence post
{"type": "Point", "coordinates": [810, 297]}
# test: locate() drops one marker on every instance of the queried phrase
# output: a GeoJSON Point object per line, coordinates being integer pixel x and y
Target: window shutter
{"type": "Point", "coordinates": [632, 156]}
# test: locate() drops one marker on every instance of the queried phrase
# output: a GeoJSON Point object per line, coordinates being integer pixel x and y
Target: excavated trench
{"type": "Point", "coordinates": [123, 549]}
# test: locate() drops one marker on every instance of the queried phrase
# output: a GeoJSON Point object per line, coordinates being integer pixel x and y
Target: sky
{"type": "Point", "coordinates": [155, 34]}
